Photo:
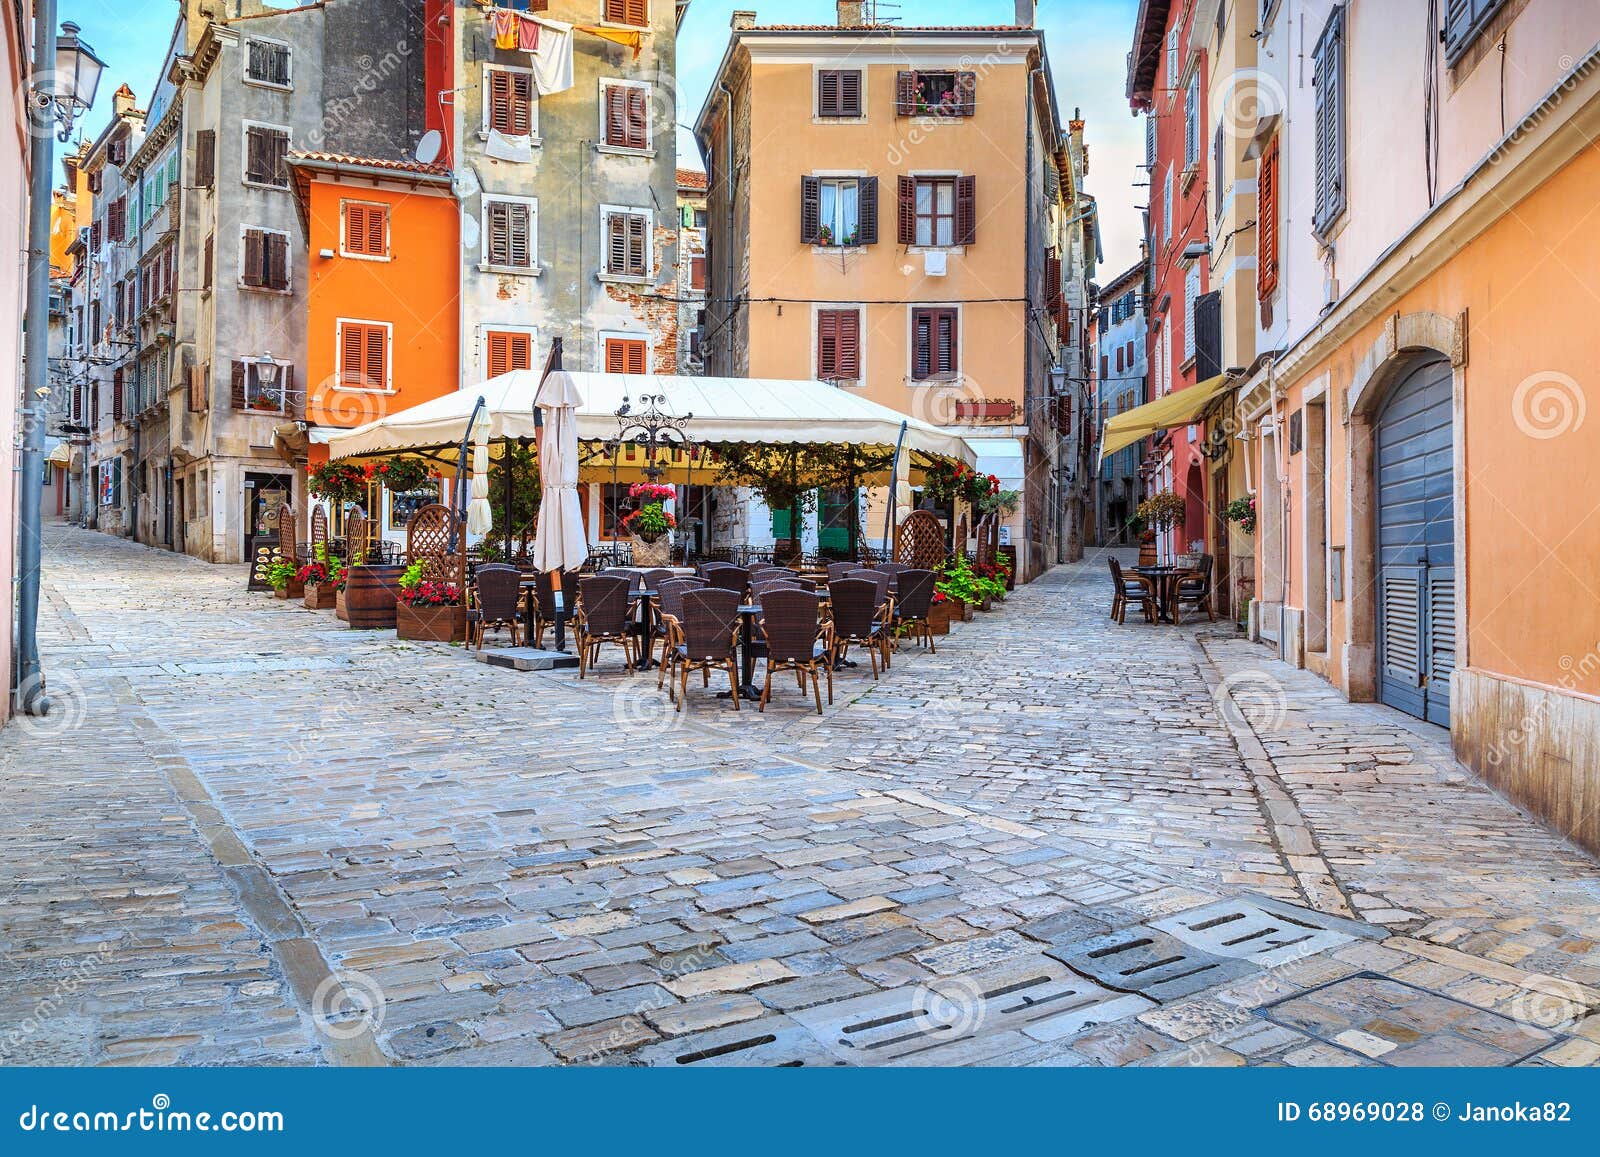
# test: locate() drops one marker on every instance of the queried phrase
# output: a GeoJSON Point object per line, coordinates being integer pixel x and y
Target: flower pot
{"type": "Point", "coordinates": [657, 553]}
{"type": "Point", "coordinates": [430, 624]}
{"type": "Point", "coordinates": [280, 592]}
{"type": "Point", "coordinates": [340, 611]}
{"type": "Point", "coordinates": [1147, 548]}
{"type": "Point", "coordinates": [939, 618]}
{"type": "Point", "coordinates": [960, 611]}
{"type": "Point", "coordinates": [320, 596]}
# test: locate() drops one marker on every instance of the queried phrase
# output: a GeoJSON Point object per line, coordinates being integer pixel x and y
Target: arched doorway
{"type": "Point", "coordinates": [1415, 490]}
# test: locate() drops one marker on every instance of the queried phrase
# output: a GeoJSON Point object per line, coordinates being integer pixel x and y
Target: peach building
{"type": "Point", "coordinates": [1419, 441]}
{"type": "Point", "coordinates": [888, 212]}
{"type": "Point", "coordinates": [382, 306]}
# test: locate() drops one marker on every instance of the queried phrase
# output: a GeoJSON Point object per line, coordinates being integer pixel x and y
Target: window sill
{"type": "Point", "coordinates": [833, 250]}
{"type": "Point", "coordinates": [623, 151]}
{"type": "Point", "coordinates": [953, 250]}
{"type": "Point", "coordinates": [623, 278]}
{"type": "Point", "coordinates": [617, 24]}
{"type": "Point", "coordinates": [386, 391]}
{"type": "Point", "coordinates": [366, 256]}
{"type": "Point", "coordinates": [284, 292]}
{"type": "Point", "coordinates": [937, 380]}
{"type": "Point", "coordinates": [272, 84]}
{"type": "Point", "coordinates": [819, 119]}
{"type": "Point", "coordinates": [842, 383]}
{"type": "Point", "coordinates": [534, 140]}
{"type": "Point", "coordinates": [509, 270]}
{"type": "Point", "coordinates": [249, 184]}
{"type": "Point", "coordinates": [1187, 179]}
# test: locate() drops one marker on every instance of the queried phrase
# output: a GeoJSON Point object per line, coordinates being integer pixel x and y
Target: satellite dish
{"type": "Point", "coordinates": [428, 147]}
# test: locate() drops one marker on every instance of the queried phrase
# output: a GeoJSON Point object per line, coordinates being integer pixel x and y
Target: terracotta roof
{"type": "Point", "coordinates": [1149, 33]}
{"type": "Point", "coordinates": [433, 170]}
{"type": "Point", "coordinates": [691, 179]}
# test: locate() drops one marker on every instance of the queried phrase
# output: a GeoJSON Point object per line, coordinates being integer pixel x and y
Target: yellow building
{"type": "Point", "coordinates": [887, 213]}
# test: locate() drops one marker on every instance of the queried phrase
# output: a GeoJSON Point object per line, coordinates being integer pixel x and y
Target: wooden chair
{"type": "Point", "coordinates": [796, 640]}
{"type": "Point", "coordinates": [602, 617]}
{"type": "Point", "coordinates": [1135, 588]}
{"type": "Point", "coordinates": [1193, 590]}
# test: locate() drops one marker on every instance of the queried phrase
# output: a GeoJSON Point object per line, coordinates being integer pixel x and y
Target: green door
{"type": "Point", "coordinates": [833, 520]}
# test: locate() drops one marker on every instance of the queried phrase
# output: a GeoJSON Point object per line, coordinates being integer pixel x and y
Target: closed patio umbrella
{"type": "Point", "coordinates": [559, 543]}
{"type": "Point", "coordinates": [480, 517]}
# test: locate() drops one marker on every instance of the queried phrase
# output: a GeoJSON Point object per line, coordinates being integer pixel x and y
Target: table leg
{"type": "Point", "coordinates": [747, 658]}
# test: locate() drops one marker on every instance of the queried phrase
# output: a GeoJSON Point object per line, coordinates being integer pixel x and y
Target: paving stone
{"type": "Point", "coordinates": [728, 978]}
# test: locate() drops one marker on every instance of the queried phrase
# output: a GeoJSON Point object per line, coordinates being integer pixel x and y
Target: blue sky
{"type": "Point", "coordinates": [1088, 42]}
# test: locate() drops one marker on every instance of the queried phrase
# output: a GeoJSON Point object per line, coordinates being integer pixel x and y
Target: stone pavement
{"type": "Point", "coordinates": [249, 834]}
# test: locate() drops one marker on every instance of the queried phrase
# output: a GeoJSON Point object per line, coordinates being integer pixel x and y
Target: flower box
{"type": "Point", "coordinates": [340, 611]}
{"type": "Point", "coordinates": [960, 611]}
{"type": "Point", "coordinates": [320, 596]}
{"type": "Point", "coordinates": [430, 624]}
{"type": "Point", "coordinates": [939, 618]}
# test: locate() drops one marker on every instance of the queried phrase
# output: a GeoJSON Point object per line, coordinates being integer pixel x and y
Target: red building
{"type": "Point", "coordinates": [1167, 82]}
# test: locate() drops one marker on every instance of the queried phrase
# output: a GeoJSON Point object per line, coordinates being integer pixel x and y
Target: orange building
{"type": "Point", "coordinates": [383, 303]}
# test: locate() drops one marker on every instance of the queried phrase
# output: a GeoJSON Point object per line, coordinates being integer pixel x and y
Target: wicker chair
{"type": "Point", "coordinates": [669, 627]}
{"type": "Point", "coordinates": [857, 619]}
{"type": "Point", "coordinates": [877, 578]}
{"type": "Point", "coordinates": [499, 598]}
{"type": "Point", "coordinates": [911, 606]}
{"type": "Point", "coordinates": [795, 640]}
{"type": "Point", "coordinates": [635, 577]}
{"type": "Point", "coordinates": [729, 578]}
{"type": "Point", "coordinates": [544, 601]}
{"type": "Point", "coordinates": [654, 577]}
{"type": "Point", "coordinates": [602, 618]}
{"type": "Point", "coordinates": [709, 626]}
{"type": "Point", "coordinates": [711, 564]}
{"type": "Point", "coordinates": [1134, 588]}
{"type": "Point", "coordinates": [1194, 591]}
{"type": "Point", "coordinates": [839, 570]}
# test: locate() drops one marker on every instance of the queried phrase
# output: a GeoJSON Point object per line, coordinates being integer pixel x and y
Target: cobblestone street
{"type": "Point", "coordinates": [248, 834]}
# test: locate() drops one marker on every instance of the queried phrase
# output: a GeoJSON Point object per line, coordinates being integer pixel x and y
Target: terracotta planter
{"type": "Point", "coordinates": [430, 624]}
{"type": "Point", "coordinates": [939, 618]}
{"type": "Point", "coordinates": [340, 611]}
{"type": "Point", "coordinates": [320, 596]}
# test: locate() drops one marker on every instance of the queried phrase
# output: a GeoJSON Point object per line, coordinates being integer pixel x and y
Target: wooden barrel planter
{"type": "Point", "coordinates": [371, 594]}
{"type": "Point", "coordinates": [431, 624]}
{"type": "Point", "coordinates": [320, 596]}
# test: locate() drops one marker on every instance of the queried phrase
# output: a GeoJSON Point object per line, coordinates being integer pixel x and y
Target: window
{"type": "Point", "coordinates": [838, 344]}
{"type": "Point", "coordinates": [267, 62]}
{"type": "Point", "coordinates": [1150, 141]}
{"type": "Point", "coordinates": [937, 211]}
{"type": "Point", "coordinates": [1327, 78]}
{"type": "Point", "coordinates": [199, 391]}
{"type": "Point", "coordinates": [1267, 221]}
{"type": "Point", "coordinates": [363, 355]}
{"type": "Point", "coordinates": [625, 114]}
{"type": "Point", "coordinates": [624, 355]}
{"type": "Point", "coordinates": [633, 12]}
{"type": "Point", "coordinates": [1191, 290]}
{"type": "Point", "coordinates": [364, 229]}
{"type": "Point", "coordinates": [627, 241]}
{"type": "Point", "coordinates": [205, 158]}
{"type": "Point", "coordinates": [933, 343]}
{"type": "Point", "coordinates": [700, 218]}
{"type": "Point", "coordinates": [249, 392]}
{"type": "Point", "coordinates": [509, 106]}
{"type": "Point", "coordinates": [838, 210]}
{"type": "Point", "coordinates": [208, 268]}
{"type": "Point", "coordinates": [1464, 22]}
{"type": "Point", "coordinates": [264, 260]}
{"type": "Point", "coordinates": [942, 94]}
{"type": "Point", "coordinates": [839, 92]}
{"type": "Point", "coordinates": [119, 304]}
{"type": "Point", "coordinates": [1166, 207]}
{"type": "Point", "coordinates": [1191, 121]}
{"type": "Point", "coordinates": [1172, 57]}
{"type": "Point", "coordinates": [510, 234]}
{"type": "Point", "coordinates": [1217, 181]}
{"type": "Point", "coordinates": [117, 219]}
{"type": "Point", "coordinates": [264, 151]}
{"type": "Point", "coordinates": [697, 273]}
{"type": "Point", "coordinates": [506, 350]}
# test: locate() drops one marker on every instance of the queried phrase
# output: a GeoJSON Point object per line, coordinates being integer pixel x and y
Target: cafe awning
{"type": "Point", "coordinates": [1175, 409]}
{"type": "Point", "coordinates": [723, 411]}
{"type": "Point", "coordinates": [60, 455]}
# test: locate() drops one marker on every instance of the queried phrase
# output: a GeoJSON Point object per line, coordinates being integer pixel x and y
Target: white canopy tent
{"type": "Point", "coordinates": [723, 411]}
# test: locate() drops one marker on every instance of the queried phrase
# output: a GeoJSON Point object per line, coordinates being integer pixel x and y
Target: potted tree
{"type": "Point", "coordinates": [429, 611]}
{"type": "Point", "coordinates": [650, 524]}
{"type": "Point", "coordinates": [1162, 511]}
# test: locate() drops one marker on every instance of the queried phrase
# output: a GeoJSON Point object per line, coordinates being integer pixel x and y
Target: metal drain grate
{"type": "Point", "coordinates": [1249, 931]}
{"type": "Point", "coordinates": [1148, 961]}
{"type": "Point", "coordinates": [774, 1042]}
{"type": "Point", "coordinates": [966, 1019]}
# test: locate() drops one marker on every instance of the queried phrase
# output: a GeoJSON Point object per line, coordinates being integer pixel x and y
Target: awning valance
{"type": "Point", "coordinates": [60, 455]}
{"type": "Point", "coordinates": [1173, 410]}
{"type": "Point", "coordinates": [722, 411]}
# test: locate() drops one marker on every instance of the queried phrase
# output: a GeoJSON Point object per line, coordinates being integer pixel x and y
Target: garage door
{"type": "Point", "coordinates": [1416, 545]}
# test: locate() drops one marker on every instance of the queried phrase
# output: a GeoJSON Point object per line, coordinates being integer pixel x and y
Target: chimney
{"type": "Point", "coordinates": [852, 14]}
{"type": "Point", "coordinates": [1024, 10]}
{"type": "Point", "coordinates": [742, 19]}
{"type": "Point", "coordinates": [122, 101]}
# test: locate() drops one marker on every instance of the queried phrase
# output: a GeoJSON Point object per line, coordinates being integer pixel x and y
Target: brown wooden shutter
{"type": "Point", "coordinates": [616, 359]}
{"type": "Point", "coordinates": [114, 218]}
{"type": "Point", "coordinates": [351, 354]}
{"type": "Point", "coordinates": [921, 343]}
{"type": "Point", "coordinates": [966, 94]}
{"type": "Point", "coordinates": [945, 354]}
{"type": "Point", "coordinates": [828, 93]}
{"type": "Point", "coordinates": [205, 158]}
{"type": "Point", "coordinates": [254, 245]}
{"type": "Point", "coordinates": [907, 222]}
{"type": "Point", "coordinates": [636, 357]}
{"type": "Point", "coordinates": [1052, 279]}
{"type": "Point", "coordinates": [867, 211]}
{"type": "Point", "coordinates": [518, 236]}
{"type": "Point", "coordinates": [638, 118]}
{"type": "Point", "coordinates": [199, 400]}
{"type": "Point", "coordinates": [376, 363]}
{"type": "Point", "coordinates": [236, 390]}
{"type": "Point", "coordinates": [291, 405]}
{"type": "Point", "coordinates": [377, 239]}
{"type": "Point", "coordinates": [905, 93]}
{"type": "Point", "coordinates": [697, 273]}
{"type": "Point", "coordinates": [210, 260]}
{"type": "Point", "coordinates": [253, 163]}
{"type": "Point", "coordinates": [616, 115]}
{"type": "Point", "coordinates": [521, 104]}
{"type": "Point", "coordinates": [499, 354]}
{"type": "Point", "coordinates": [1267, 222]}
{"type": "Point", "coordinates": [828, 343]}
{"type": "Point", "coordinates": [277, 261]}
{"type": "Point", "coordinates": [636, 12]}
{"type": "Point", "coordinates": [636, 246]}
{"type": "Point", "coordinates": [616, 244]}
{"type": "Point", "coordinates": [94, 237]}
{"type": "Point", "coordinates": [810, 210]}
{"type": "Point", "coordinates": [277, 154]}
{"type": "Point", "coordinates": [966, 210]}
{"type": "Point", "coordinates": [850, 93]}
{"type": "Point", "coordinates": [849, 333]}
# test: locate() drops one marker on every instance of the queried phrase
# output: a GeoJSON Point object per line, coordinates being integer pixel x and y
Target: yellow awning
{"type": "Point", "coordinates": [60, 456]}
{"type": "Point", "coordinates": [1175, 409]}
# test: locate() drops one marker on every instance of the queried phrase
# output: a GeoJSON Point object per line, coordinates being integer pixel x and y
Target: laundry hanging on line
{"type": "Point", "coordinates": [629, 38]}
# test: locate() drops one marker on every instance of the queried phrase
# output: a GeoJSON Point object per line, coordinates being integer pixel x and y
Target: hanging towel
{"type": "Point", "coordinates": [506, 22]}
{"type": "Point", "coordinates": [504, 148]}
{"type": "Point", "coordinates": [527, 34]}
{"type": "Point", "coordinates": [623, 36]}
{"type": "Point", "coordinates": [552, 61]}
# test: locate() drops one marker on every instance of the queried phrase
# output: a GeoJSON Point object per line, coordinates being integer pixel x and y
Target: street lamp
{"type": "Point", "coordinates": [70, 89]}
{"type": "Point", "coordinates": [266, 370]}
